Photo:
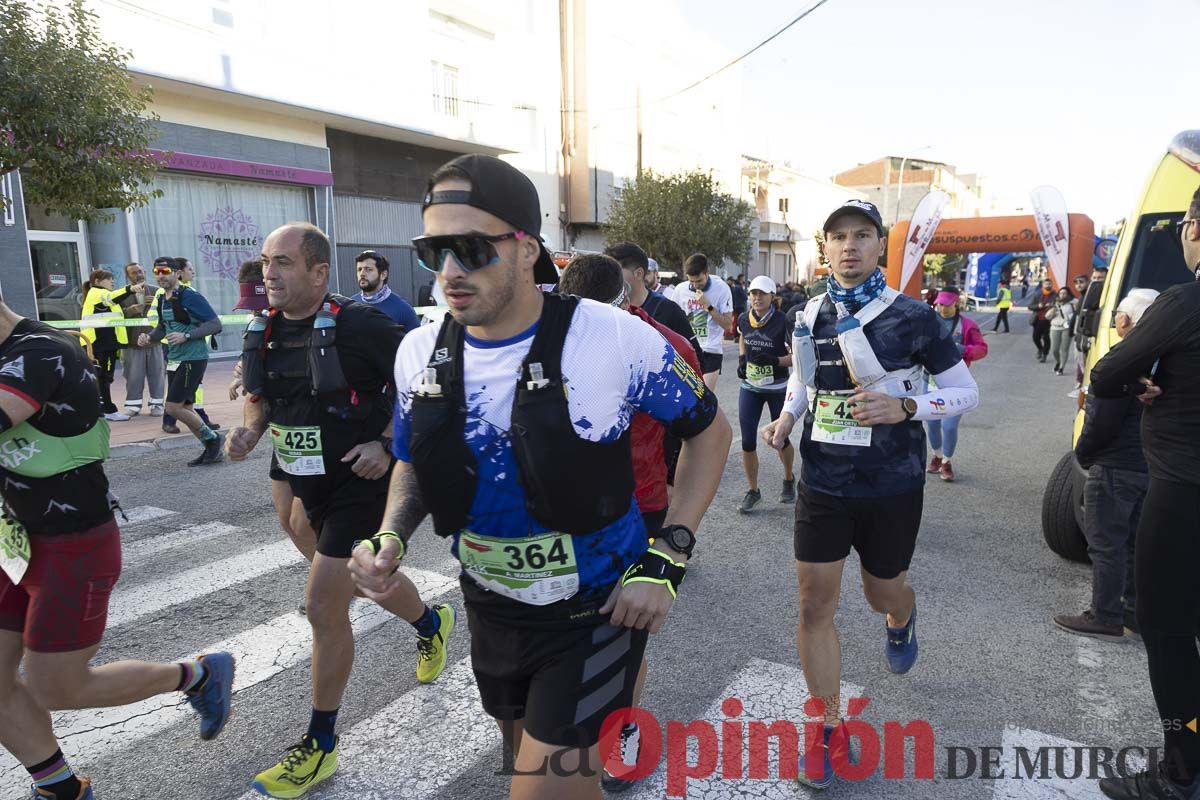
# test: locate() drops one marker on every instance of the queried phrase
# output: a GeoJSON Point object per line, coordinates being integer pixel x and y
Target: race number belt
{"type": "Point", "coordinates": [538, 570]}
{"type": "Point", "coordinates": [760, 376]}
{"type": "Point", "coordinates": [14, 549]}
{"type": "Point", "coordinates": [298, 449]}
{"type": "Point", "coordinates": [833, 424]}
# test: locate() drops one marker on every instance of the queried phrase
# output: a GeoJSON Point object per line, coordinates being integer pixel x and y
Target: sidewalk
{"type": "Point", "coordinates": [144, 432]}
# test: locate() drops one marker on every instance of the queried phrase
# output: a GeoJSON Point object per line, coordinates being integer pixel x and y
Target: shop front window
{"type": "Point", "coordinates": [56, 279]}
{"type": "Point", "coordinates": [217, 225]}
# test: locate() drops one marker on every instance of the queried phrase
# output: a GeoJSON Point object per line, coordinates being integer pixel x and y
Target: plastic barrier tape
{"type": "Point", "coordinates": [152, 320]}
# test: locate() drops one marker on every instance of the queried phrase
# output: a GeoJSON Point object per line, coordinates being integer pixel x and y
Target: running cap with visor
{"type": "Point", "coordinates": [503, 191]}
{"type": "Point", "coordinates": [862, 208]}
{"type": "Point", "coordinates": [763, 284]}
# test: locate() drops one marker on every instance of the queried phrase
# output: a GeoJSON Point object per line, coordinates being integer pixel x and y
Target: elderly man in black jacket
{"type": "Point", "coordinates": [1110, 449]}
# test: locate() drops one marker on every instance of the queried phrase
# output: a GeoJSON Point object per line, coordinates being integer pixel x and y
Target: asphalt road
{"type": "Point", "coordinates": [207, 564]}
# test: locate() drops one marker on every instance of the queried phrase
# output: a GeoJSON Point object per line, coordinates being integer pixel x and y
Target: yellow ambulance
{"type": "Point", "coordinates": [1148, 255]}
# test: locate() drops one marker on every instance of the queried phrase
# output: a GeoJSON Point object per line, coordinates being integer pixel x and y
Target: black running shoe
{"type": "Point", "coordinates": [212, 452]}
{"type": "Point", "coordinates": [630, 748]}
{"type": "Point", "coordinates": [1149, 784]}
{"type": "Point", "coordinates": [751, 499]}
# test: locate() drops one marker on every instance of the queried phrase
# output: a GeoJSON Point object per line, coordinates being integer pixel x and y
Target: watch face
{"type": "Point", "coordinates": [681, 539]}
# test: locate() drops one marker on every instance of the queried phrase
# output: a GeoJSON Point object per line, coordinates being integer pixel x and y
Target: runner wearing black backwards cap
{"type": "Point", "coordinates": [512, 432]}
{"type": "Point", "coordinates": [862, 355]}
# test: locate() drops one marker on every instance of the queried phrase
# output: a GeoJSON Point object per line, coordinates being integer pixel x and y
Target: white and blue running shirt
{"type": "Point", "coordinates": [614, 365]}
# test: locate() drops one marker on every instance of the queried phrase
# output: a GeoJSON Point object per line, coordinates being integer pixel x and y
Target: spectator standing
{"type": "Point", "coordinates": [1162, 354]}
{"type": "Point", "coordinates": [1003, 304]}
{"type": "Point", "coordinates": [101, 302]}
{"type": "Point", "coordinates": [1062, 321]}
{"type": "Point", "coordinates": [143, 366]}
{"type": "Point", "coordinates": [1110, 449]}
{"type": "Point", "coordinates": [1041, 304]}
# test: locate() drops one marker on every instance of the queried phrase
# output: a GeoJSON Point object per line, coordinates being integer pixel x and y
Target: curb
{"type": "Point", "coordinates": [173, 442]}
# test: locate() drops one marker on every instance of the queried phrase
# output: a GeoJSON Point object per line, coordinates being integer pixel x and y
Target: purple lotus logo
{"type": "Point", "coordinates": [228, 237]}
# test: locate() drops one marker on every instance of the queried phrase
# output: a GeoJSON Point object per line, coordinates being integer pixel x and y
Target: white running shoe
{"type": "Point", "coordinates": [117, 416]}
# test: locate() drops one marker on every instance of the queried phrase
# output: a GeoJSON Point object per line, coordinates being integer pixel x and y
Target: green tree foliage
{"type": "Point", "coordinates": [70, 119]}
{"type": "Point", "coordinates": [673, 216]}
{"type": "Point", "coordinates": [942, 269]}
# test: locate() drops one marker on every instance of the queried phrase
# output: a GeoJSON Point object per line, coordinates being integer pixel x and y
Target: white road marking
{"type": "Point", "coordinates": [153, 598]}
{"type": "Point", "coordinates": [261, 652]}
{"type": "Point", "coordinates": [1053, 787]}
{"type": "Point", "coordinates": [140, 514]}
{"type": "Point", "coordinates": [143, 549]}
{"type": "Point", "coordinates": [769, 692]}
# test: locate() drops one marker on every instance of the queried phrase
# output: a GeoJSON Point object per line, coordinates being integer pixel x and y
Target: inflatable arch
{"type": "Point", "coordinates": [990, 235]}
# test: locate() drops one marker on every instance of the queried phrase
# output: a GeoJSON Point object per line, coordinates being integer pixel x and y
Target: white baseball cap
{"type": "Point", "coordinates": [763, 284]}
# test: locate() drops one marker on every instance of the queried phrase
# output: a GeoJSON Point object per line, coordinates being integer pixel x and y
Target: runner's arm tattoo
{"type": "Point", "coordinates": [405, 510]}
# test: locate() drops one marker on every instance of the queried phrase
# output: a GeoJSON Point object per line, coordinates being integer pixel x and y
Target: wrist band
{"type": "Point", "coordinates": [375, 543]}
{"type": "Point", "coordinates": [655, 566]}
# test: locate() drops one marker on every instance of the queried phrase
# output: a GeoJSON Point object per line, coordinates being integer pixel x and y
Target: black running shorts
{"type": "Point", "coordinates": [711, 362]}
{"type": "Point", "coordinates": [185, 380]}
{"type": "Point", "coordinates": [354, 511]}
{"type": "Point", "coordinates": [883, 530]}
{"type": "Point", "coordinates": [562, 678]}
{"type": "Point", "coordinates": [276, 472]}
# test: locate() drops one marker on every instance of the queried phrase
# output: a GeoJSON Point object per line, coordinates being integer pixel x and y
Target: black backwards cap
{"type": "Point", "coordinates": [503, 191]}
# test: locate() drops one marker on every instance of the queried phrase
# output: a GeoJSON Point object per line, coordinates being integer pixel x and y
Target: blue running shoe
{"type": "Point", "coordinates": [902, 645]}
{"type": "Point", "coordinates": [213, 701]}
{"type": "Point", "coordinates": [836, 743]}
{"type": "Point", "coordinates": [85, 791]}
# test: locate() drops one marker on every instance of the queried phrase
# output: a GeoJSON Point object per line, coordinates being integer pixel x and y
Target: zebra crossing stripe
{"type": "Point", "coordinates": [261, 652]}
{"type": "Point", "coordinates": [140, 514]}
{"type": "Point", "coordinates": [769, 692]}
{"type": "Point", "coordinates": [155, 597]}
{"type": "Point", "coordinates": [143, 549]}
{"type": "Point", "coordinates": [1052, 787]}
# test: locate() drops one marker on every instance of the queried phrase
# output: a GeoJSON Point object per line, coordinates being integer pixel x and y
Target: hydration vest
{"type": "Point", "coordinates": [571, 485]}
{"type": "Point", "coordinates": [330, 393]}
{"type": "Point", "coordinates": [28, 451]}
{"type": "Point", "coordinates": [178, 311]}
{"type": "Point", "coordinates": [896, 383]}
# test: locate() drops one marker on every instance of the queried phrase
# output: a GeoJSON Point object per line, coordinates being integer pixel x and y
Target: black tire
{"type": "Point", "coordinates": [1060, 525]}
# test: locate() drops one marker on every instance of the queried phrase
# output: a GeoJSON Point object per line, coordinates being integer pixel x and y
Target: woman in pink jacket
{"type": "Point", "coordinates": [943, 434]}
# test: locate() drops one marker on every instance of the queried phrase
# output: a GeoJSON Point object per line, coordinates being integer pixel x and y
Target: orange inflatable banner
{"type": "Point", "coordinates": [990, 235]}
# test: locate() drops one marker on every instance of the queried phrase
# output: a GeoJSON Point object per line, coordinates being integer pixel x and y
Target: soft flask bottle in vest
{"type": "Point", "coordinates": [860, 359]}
{"type": "Point", "coordinates": [804, 353]}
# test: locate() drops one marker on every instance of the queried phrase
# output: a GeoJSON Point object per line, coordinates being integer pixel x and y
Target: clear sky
{"type": "Point", "coordinates": [1080, 94]}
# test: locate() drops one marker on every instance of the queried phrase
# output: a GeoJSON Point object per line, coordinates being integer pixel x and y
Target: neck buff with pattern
{"type": "Point", "coordinates": [383, 294]}
{"type": "Point", "coordinates": [854, 299]}
{"type": "Point", "coordinates": [755, 322]}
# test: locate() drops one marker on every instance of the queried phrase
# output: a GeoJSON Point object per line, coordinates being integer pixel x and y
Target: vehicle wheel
{"type": "Point", "coordinates": [1060, 526]}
